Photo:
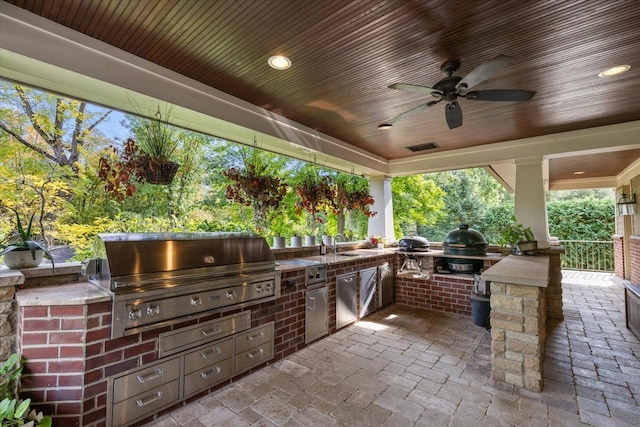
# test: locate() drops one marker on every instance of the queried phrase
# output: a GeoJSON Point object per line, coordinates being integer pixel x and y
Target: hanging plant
{"type": "Point", "coordinates": [353, 195]}
{"type": "Point", "coordinates": [253, 186]}
{"type": "Point", "coordinates": [316, 194]}
{"type": "Point", "coordinates": [157, 142]}
{"type": "Point", "coordinates": [121, 171]}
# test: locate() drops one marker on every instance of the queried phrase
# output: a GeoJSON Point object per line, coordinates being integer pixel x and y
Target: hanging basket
{"type": "Point", "coordinates": [159, 172]}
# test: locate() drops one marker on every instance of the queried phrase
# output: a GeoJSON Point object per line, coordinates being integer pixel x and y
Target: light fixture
{"type": "Point", "coordinates": [614, 71]}
{"type": "Point", "coordinates": [579, 172]}
{"type": "Point", "coordinates": [626, 205]}
{"type": "Point", "coordinates": [385, 126]}
{"type": "Point", "coordinates": [279, 62]}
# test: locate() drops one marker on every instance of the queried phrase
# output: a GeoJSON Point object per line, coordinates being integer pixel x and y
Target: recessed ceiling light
{"type": "Point", "coordinates": [385, 126]}
{"type": "Point", "coordinates": [279, 62]}
{"type": "Point", "coordinates": [614, 71]}
{"type": "Point", "coordinates": [579, 172]}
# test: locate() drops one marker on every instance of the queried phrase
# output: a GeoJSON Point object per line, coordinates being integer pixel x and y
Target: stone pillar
{"type": "Point", "coordinates": [518, 323]}
{"type": "Point", "coordinates": [382, 223]}
{"type": "Point", "coordinates": [9, 279]}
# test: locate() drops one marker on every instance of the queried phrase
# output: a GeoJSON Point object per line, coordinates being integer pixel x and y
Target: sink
{"type": "Point", "coordinates": [351, 254]}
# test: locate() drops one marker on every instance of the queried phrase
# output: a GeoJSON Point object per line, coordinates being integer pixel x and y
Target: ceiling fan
{"type": "Point", "coordinates": [450, 88]}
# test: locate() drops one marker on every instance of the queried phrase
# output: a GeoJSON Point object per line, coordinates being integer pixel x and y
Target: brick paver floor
{"type": "Point", "coordinates": [411, 367]}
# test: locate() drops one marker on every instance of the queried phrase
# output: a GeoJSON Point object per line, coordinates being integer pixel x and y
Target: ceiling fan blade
{"type": "Point", "coordinates": [453, 114]}
{"type": "Point", "coordinates": [483, 71]}
{"type": "Point", "coordinates": [500, 95]}
{"type": "Point", "coordinates": [410, 112]}
{"type": "Point", "coordinates": [414, 88]}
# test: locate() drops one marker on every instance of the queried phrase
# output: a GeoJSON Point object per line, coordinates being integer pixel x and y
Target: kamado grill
{"type": "Point", "coordinates": [159, 279]}
{"type": "Point", "coordinates": [464, 241]}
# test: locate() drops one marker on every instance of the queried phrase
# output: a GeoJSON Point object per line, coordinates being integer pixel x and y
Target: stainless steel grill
{"type": "Point", "coordinates": [163, 278]}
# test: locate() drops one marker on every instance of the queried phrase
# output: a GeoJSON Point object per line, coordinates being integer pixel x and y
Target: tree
{"type": "Point", "coordinates": [417, 202]}
{"type": "Point", "coordinates": [55, 127]}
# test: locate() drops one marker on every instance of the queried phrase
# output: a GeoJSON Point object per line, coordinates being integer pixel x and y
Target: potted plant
{"type": "Point", "coordinates": [520, 239]}
{"type": "Point", "coordinates": [254, 186]}
{"type": "Point", "coordinates": [21, 249]}
{"type": "Point", "coordinates": [157, 142]}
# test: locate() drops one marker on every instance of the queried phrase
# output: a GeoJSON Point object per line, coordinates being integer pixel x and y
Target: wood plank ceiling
{"type": "Point", "coordinates": [345, 54]}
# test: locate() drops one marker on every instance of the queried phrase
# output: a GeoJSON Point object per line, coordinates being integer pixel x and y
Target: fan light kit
{"type": "Point", "coordinates": [452, 87]}
{"type": "Point", "coordinates": [614, 71]}
{"type": "Point", "coordinates": [279, 62]}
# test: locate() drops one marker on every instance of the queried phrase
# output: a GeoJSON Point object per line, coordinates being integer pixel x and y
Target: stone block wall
{"type": "Point", "coordinates": [518, 321]}
{"type": "Point", "coordinates": [7, 322]}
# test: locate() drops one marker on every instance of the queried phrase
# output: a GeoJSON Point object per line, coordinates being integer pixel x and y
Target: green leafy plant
{"type": "Point", "coordinates": [22, 239]}
{"type": "Point", "coordinates": [15, 411]}
{"type": "Point", "coordinates": [515, 233]}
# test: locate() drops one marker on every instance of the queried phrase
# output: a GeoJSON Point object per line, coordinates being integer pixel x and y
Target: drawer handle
{"type": "Point", "coordinates": [256, 353]}
{"type": "Point", "coordinates": [158, 372]}
{"type": "Point", "coordinates": [254, 336]}
{"type": "Point", "coordinates": [214, 350]}
{"type": "Point", "coordinates": [216, 330]}
{"type": "Point", "coordinates": [146, 400]}
{"type": "Point", "coordinates": [214, 371]}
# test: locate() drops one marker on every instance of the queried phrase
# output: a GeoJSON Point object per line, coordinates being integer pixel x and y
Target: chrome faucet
{"type": "Point", "coordinates": [335, 241]}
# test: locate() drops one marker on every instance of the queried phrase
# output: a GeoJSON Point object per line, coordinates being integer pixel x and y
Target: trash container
{"type": "Point", "coordinates": [480, 310]}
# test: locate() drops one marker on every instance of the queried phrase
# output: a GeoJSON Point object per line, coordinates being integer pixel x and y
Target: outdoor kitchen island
{"type": "Point", "coordinates": [72, 358]}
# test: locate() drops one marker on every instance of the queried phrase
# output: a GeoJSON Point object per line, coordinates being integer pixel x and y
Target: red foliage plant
{"type": "Point", "coordinates": [120, 173]}
{"type": "Point", "coordinates": [316, 194]}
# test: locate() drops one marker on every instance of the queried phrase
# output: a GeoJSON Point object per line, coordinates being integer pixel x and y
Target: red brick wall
{"type": "Point", "coordinates": [618, 256]}
{"type": "Point", "coordinates": [441, 292]}
{"type": "Point", "coordinates": [70, 355]}
{"type": "Point", "coordinates": [634, 259]}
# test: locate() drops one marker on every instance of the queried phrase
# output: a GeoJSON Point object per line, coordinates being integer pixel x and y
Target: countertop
{"type": "Point", "coordinates": [520, 270]}
{"type": "Point", "coordinates": [331, 258]}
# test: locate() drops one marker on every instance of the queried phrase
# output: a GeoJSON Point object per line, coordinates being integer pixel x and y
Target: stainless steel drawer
{"type": "Point", "coordinates": [184, 338]}
{"type": "Point", "coordinates": [254, 337]}
{"type": "Point", "coordinates": [253, 357]}
{"type": "Point", "coordinates": [207, 377]}
{"type": "Point", "coordinates": [145, 403]}
{"type": "Point", "coordinates": [208, 355]}
{"type": "Point", "coordinates": [145, 379]}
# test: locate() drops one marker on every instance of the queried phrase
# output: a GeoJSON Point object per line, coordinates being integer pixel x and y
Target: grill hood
{"type": "Point", "coordinates": [464, 241]}
{"type": "Point", "coordinates": [413, 244]}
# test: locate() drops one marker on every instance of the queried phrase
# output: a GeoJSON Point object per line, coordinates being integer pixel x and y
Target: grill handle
{"type": "Point", "coordinates": [142, 378]}
{"type": "Point", "coordinates": [216, 330]}
{"type": "Point", "coordinates": [144, 401]}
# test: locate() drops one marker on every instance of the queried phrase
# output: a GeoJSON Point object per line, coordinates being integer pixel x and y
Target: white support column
{"type": "Point", "coordinates": [530, 202]}
{"type": "Point", "coordinates": [382, 223]}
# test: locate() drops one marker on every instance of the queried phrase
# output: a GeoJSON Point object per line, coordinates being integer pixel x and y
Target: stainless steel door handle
{"type": "Point", "coordinates": [157, 373]}
{"type": "Point", "coordinates": [213, 371]}
{"type": "Point", "coordinates": [256, 353]}
{"type": "Point", "coordinates": [216, 330]}
{"type": "Point", "coordinates": [143, 401]}
{"type": "Point", "coordinates": [215, 350]}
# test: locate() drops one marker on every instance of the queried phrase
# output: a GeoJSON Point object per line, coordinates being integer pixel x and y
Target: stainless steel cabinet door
{"type": "Point", "coordinates": [346, 300]}
{"type": "Point", "coordinates": [385, 285]}
{"type": "Point", "coordinates": [317, 316]}
{"type": "Point", "coordinates": [368, 286]}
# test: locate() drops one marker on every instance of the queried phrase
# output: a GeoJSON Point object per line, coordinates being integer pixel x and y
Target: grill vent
{"type": "Point", "coordinates": [423, 147]}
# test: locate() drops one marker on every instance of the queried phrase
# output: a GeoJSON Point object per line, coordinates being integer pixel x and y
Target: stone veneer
{"type": "Point", "coordinates": [9, 279]}
{"type": "Point", "coordinates": [518, 320]}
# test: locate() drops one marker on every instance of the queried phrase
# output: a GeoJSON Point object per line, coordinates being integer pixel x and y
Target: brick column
{"type": "Point", "coordinates": [553, 292]}
{"type": "Point", "coordinates": [518, 322]}
{"type": "Point", "coordinates": [59, 344]}
{"type": "Point", "coordinates": [618, 255]}
{"type": "Point", "coordinates": [634, 259]}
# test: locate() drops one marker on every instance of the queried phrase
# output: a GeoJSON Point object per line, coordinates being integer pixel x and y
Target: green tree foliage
{"type": "Point", "coordinates": [582, 218]}
{"type": "Point", "coordinates": [417, 203]}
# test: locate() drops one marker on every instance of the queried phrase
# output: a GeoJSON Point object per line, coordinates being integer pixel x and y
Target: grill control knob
{"type": "Point", "coordinates": [135, 313]}
{"type": "Point", "coordinates": [152, 310]}
{"type": "Point", "coordinates": [231, 295]}
{"type": "Point", "coordinates": [196, 301]}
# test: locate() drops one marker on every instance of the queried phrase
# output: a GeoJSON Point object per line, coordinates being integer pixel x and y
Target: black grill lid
{"type": "Point", "coordinates": [413, 244]}
{"type": "Point", "coordinates": [464, 241]}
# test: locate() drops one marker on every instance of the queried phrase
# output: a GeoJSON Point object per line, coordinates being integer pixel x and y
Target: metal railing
{"type": "Point", "coordinates": [591, 255]}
